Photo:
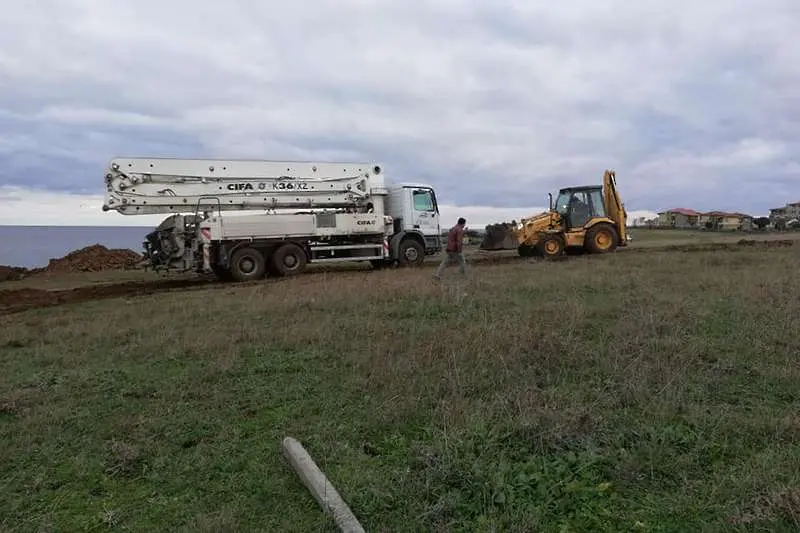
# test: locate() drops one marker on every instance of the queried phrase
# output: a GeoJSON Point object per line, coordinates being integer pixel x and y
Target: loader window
{"type": "Point", "coordinates": [423, 200]}
{"type": "Point", "coordinates": [579, 209]}
{"type": "Point", "coordinates": [562, 204]}
{"type": "Point", "coordinates": [596, 205]}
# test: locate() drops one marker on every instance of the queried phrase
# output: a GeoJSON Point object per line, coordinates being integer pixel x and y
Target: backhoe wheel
{"type": "Point", "coordinates": [411, 253]}
{"type": "Point", "coordinates": [247, 264]}
{"type": "Point", "coordinates": [601, 239]}
{"type": "Point", "coordinates": [551, 246]}
{"type": "Point", "coordinates": [288, 260]}
{"type": "Point", "coordinates": [526, 250]}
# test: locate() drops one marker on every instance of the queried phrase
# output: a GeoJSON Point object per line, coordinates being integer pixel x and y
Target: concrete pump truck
{"type": "Point", "coordinates": [288, 214]}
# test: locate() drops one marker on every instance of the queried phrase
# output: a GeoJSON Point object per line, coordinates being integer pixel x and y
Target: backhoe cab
{"type": "Point", "coordinates": [590, 218]}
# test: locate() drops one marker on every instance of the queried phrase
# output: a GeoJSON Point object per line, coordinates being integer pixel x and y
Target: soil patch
{"type": "Point", "coordinates": [16, 300]}
{"type": "Point", "coordinates": [713, 247]}
{"type": "Point", "coordinates": [94, 258]}
{"type": "Point", "coordinates": [9, 273]}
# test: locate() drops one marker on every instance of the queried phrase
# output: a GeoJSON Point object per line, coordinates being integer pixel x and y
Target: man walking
{"type": "Point", "coordinates": [454, 250]}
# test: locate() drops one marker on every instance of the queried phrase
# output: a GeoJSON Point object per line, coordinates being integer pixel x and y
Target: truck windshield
{"type": "Point", "coordinates": [562, 203]}
{"type": "Point", "coordinates": [423, 200]}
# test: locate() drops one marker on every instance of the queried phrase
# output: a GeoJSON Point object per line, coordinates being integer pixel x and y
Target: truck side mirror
{"type": "Point", "coordinates": [550, 196]}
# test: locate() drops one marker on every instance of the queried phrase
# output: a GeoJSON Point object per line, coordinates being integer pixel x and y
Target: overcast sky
{"type": "Point", "coordinates": [694, 104]}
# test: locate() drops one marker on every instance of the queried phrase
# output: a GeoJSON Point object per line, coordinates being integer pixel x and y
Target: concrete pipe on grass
{"type": "Point", "coordinates": [321, 489]}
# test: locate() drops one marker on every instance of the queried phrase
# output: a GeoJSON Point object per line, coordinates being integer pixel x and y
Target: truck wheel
{"type": "Point", "coordinates": [247, 264]}
{"type": "Point", "coordinates": [551, 246]}
{"type": "Point", "coordinates": [289, 260]}
{"type": "Point", "coordinates": [601, 239]}
{"type": "Point", "coordinates": [411, 253]}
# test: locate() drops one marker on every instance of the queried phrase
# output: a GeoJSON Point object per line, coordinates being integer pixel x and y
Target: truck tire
{"type": "Point", "coordinates": [289, 259]}
{"type": "Point", "coordinates": [247, 264]}
{"type": "Point", "coordinates": [601, 239]}
{"type": "Point", "coordinates": [410, 253]}
{"type": "Point", "coordinates": [551, 246]}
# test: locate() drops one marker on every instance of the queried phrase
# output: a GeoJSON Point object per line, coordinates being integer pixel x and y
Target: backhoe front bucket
{"type": "Point", "coordinates": [499, 237]}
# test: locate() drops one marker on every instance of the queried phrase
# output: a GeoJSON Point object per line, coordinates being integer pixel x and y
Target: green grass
{"type": "Point", "coordinates": [643, 238]}
{"type": "Point", "coordinates": [664, 237]}
{"type": "Point", "coordinates": [656, 234]}
{"type": "Point", "coordinates": [635, 392]}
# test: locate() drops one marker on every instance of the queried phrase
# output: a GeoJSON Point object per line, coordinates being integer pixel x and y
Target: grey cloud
{"type": "Point", "coordinates": [496, 104]}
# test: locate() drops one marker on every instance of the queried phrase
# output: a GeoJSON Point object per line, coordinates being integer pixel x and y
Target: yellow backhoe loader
{"type": "Point", "coordinates": [590, 218]}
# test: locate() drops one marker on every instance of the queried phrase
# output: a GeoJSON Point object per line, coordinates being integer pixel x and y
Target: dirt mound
{"type": "Point", "coordinates": [779, 243]}
{"type": "Point", "coordinates": [9, 273]}
{"type": "Point", "coordinates": [93, 259]}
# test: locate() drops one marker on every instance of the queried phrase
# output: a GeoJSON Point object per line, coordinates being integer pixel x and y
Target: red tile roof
{"type": "Point", "coordinates": [693, 213]}
{"type": "Point", "coordinates": [724, 214]}
{"type": "Point", "coordinates": [682, 211]}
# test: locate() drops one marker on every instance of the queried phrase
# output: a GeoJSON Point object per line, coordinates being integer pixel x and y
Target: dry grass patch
{"type": "Point", "coordinates": [648, 392]}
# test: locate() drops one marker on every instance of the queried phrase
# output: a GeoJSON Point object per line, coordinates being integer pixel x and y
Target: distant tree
{"type": "Point", "coordinates": [761, 222]}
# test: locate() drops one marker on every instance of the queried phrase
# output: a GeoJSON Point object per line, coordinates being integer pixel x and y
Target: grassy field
{"type": "Point", "coordinates": [660, 237]}
{"type": "Point", "coordinates": [649, 392]}
{"type": "Point", "coordinates": [643, 238]}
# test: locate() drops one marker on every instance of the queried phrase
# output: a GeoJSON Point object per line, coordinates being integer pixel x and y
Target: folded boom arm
{"type": "Point", "coordinates": [615, 209]}
{"type": "Point", "coordinates": [150, 186]}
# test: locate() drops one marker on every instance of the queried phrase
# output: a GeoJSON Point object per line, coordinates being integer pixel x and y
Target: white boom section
{"type": "Point", "coordinates": [142, 186]}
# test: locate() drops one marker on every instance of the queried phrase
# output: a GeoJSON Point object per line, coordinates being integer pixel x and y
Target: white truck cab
{"type": "Point", "coordinates": [413, 208]}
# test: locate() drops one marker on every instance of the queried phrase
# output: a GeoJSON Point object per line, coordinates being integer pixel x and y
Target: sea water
{"type": "Point", "coordinates": [34, 246]}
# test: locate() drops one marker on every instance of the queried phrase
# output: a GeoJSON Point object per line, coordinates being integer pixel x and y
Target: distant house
{"type": "Point", "coordinates": [713, 220]}
{"type": "Point", "coordinates": [724, 221]}
{"type": "Point", "coordinates": [679, 217]}
{"type": "Point", "coordinates": [777, 212]}
{"type": "Point", "coordinates": [779, 216]}
{"type": "Point", "coordinates": [746, 222]}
